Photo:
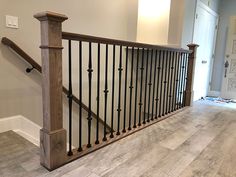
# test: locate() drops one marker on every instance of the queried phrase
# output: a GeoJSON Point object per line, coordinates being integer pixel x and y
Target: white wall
{"type": "Point", "coordinates": [227, 9]}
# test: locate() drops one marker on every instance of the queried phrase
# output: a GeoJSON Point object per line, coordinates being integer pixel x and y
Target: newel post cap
{"type": "Point", "coordinates": [47, 15]}
{"type": "Point", "coordinates": [192, 45]}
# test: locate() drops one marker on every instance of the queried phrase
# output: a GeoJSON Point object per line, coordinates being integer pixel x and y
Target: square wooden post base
{"type": "Point", "coordinates": [52, 148]}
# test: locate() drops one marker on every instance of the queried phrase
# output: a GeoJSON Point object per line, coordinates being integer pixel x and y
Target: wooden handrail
{"type": "Point", "coordinates": [87, 38]}
{"type": "Point", "coordinates": [6, 41]}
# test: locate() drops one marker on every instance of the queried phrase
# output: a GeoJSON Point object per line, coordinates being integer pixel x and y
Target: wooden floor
{"type": "Point", "coordinates": [198, 142]}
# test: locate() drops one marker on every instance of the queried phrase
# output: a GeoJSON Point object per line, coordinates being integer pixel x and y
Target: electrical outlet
{"type": "Point", "coordinates": [11, 21]}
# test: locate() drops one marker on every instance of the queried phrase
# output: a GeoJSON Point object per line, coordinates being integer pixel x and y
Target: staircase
{"type": "Point", "coordinates": [113, 88]}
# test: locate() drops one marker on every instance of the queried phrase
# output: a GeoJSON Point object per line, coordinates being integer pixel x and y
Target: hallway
{"type": "Point", "coordinates": [199, 141]}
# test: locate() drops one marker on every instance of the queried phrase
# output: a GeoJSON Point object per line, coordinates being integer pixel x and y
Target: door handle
{"type": "Point", "coordinates": [226, 67]}
{"type": "Point", "coordinates": [204, 61]}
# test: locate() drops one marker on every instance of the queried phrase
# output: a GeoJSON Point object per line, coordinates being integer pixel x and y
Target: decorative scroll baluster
{"type": "Point", "coordinates": [141, 90]}
{"type": "Point", "coordinates": [70, 99]}
{"type": "Point", "coordinates": [126, 73]}
{"type": "Point", "coordinates": [105, 93]}
{"type": "Point", "coordinates": [80, 96]}
{"type": "Point", "coordinates": [98, 94]}
{"type": "Point", "coordinates": [119, 97]}
{"type": "Point", "coordinates": [90, 70]}
{"type": "Point", "coordinates": [136, 90]}
{"type": "Point", "coordinates": [145, 91]}
{"type": "Point", "coordinates": [113, 92]}
{"type": "Point", "coordinates": [131, 89]}
{"type": "Point", "coordinates": [162, 77]}
{"type": "Point", "coordinates": [154, 84]}
{"type": "Point", "coordinates": [150, 86]}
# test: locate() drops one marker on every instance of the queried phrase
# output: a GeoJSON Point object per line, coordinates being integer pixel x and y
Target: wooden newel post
{"type": "Point", "coordinates": [52, 135]}
{"type": "Point", "coordinates": [190, 75]}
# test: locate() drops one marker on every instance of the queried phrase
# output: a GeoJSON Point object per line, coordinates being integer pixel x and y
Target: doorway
{"type": "Point", "coordinates": [205, 31]}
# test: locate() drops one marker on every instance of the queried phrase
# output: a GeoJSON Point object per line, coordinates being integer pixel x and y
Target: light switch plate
{"type": "Point", "coordinates": [11, 21]}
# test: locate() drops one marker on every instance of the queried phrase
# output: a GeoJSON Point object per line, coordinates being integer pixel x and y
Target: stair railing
{"type": "Point", "coordinates": [153, 82]}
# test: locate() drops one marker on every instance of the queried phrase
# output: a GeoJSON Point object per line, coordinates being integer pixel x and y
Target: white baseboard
{"type": "Point", "coordinates": [22, 126]}
{"type": "Point", "coordinates": [213, 93]}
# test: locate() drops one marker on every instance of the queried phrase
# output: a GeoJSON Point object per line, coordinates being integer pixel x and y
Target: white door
{"type": "Point", "coordinates": [204, 35]}
{"type": "Point", "coordinates": [228, 89]}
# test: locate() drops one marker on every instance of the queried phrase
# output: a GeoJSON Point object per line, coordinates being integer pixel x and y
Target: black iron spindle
{"type": "Point", "coordinates": [145, 90]}
{"type": "Point", "coordinates": [178, 81]}
{"type": "Point", "coordinates": [168, 81]}
{"type": "Point", "coordinates": [154, 85]}
{"type": "Point", "coordinates": [90, 70]}
{"type": "Point", "coordinates": [141, 90]}
{"type": "Point", "coordinates": [175, 82]}
{"type": "Point", "coordinates": [131, 89]}
{"type": "Point", "coordinates": [162, 84]}
{"type": "Point", "coordinates": [186, 72]}
{"type": "Point", "coordinates": [171, 81]}
{"type": "Point", "coordinates": [165, 82]}
{"type": "Point", "coordinates": [136, 90]}
{"type": "Point", "coordinates": [113, 92]}
{"type": "Point", "coordinates": [98, 94]}
{"type": "Point", "coordinates": [119, 97]}
{"type": "Point", "coordinates": [184, 79]}
{"type": "Point", "coordinates": [181, 82]}
{"type": "Point", "coordinates": [80, 96]}
{"type": "Point", "coordinates": [157, 90]}
{"type": "Point", "coordinates": [105, 94]}
{"type": "Point", "coordinates": [149, 87]}
{"type": "Point", "coordinates": [70, 99]}
{"type": "Point", "coordinates": [126, 73]}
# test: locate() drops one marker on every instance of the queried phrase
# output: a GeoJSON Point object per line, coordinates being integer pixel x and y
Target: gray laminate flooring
{"type": "Point", "coordinates": [197, 142]}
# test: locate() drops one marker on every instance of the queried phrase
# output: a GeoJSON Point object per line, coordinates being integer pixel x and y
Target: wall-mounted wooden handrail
{"type": "Point", "coordinates": [6, 41]}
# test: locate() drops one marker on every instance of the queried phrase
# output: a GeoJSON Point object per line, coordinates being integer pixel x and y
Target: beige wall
{"type": "Point", "coordinates": [20, 93]}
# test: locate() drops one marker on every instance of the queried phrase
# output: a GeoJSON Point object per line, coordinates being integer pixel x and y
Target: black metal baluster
{"type": "Point", "coordinates": [150, 86]}
{"type": "Point", "coordinates": [98, 95]}
{"type": "Point", "coordinates": [90, 70]}
{"type": "Point", "coordinates": [105, 93]}
{"type": "Point", "coordinates": [141, 90]}
{"type": "Point", "coordinates": [158, 81]}
{"type": "Point", "coordinates": [168, 81]}
{"type": "Point", "coordinates": [70, 99]}
{"type": "Point", "coordinates": [181, 81]}
{"type": "Point", "coordinates": [126, 73]}
{"type": "Point", "coordinates": [119, 97]}
{"type": "Point", "coordinates": [165, 82]}
{"type": "Point", "coordinates": [131, 89]}
{"type": "Point", "coordinates": [186, 72]}
{"type": "Point", "coordinates": [136, 90]}
{"type": "Point", "coordinates": [154, 85]}
{"type": "Point", "coordinates": [171, 82]}
{"type": "Point", "coordinates": [162, 84]}
{"type": "Point", "coordinates": [145, 91]}
{"type": "Point", "coordinates": [176, 80]}
{"type": "Point", "coordinates": [80, 97]}
{"type": "Point", "coordinates": [184, 78]}
{"type": "Point", "coordinates": [113, 87]}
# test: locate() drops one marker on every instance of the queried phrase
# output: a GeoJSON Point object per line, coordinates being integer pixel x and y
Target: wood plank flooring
{"type": "Point", "coordinates": [197, 142]}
